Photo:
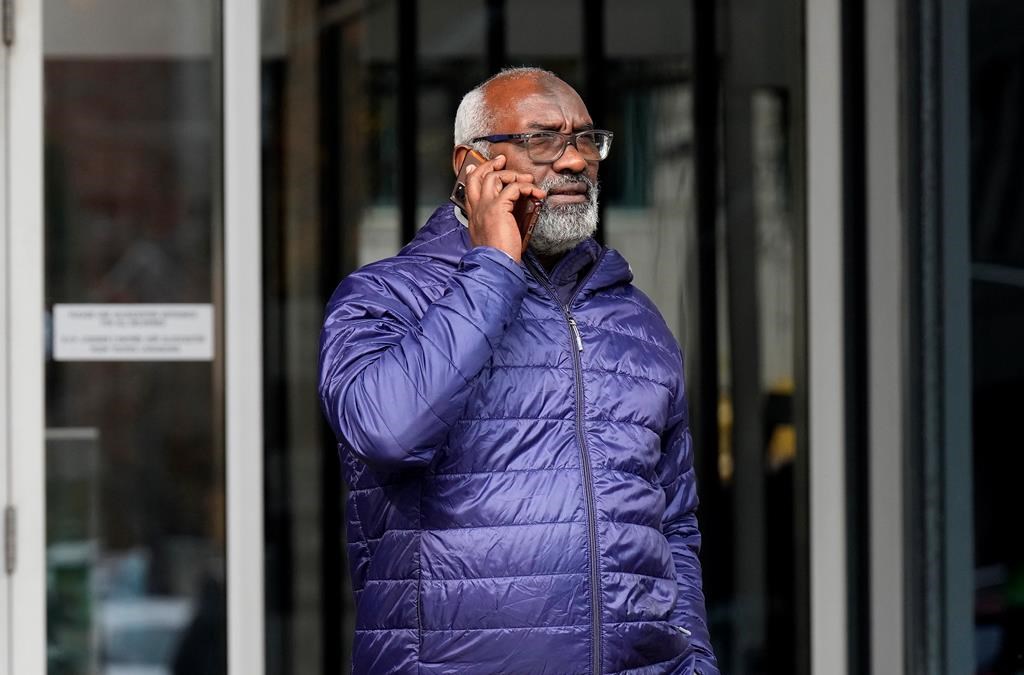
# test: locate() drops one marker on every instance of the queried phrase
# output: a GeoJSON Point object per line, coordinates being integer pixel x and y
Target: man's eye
{"type": "Point", "coordinates": [544, 140]}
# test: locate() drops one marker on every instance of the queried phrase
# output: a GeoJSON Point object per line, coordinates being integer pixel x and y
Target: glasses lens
{"type": "Point", "coordinates": [544, 147]}
{"type": "Point", "coordinates": [594, 145]}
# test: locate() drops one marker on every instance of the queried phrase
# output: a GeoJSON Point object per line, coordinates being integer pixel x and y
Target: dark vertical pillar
{"type": "Point", "coordinates": [855, 358]}
{"type": "Point", "coordinates": [923, 580]}
{"type": "Point", "coordinates": [407, 113]}
{"type": "Point", "coordinates": [332, 562]}
{"type": "Point", "coordinates": [714, 500]}
{"type": "Point", "coordinates": [957, 452]}
{"type": "Point", "coordinates": [497, 48]}
{"type": "Point", "coordinates": [279, 555]}
{"type": "Point", "coordinates": [334, 194]}
{"type": "Point", "coordinates": [595, 76]}
{"type": "Point", "coordinates": [801, 524]}
{"type": "Point", "coordinates": [705, 133]}
{"type": "Point", "coordinates": [940, 547]}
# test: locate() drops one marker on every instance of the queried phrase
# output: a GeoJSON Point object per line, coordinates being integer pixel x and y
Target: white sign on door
{"type": "Point", "coordinates": [133, 332]}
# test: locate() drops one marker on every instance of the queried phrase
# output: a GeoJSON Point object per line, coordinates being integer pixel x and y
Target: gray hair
{"type": "Point", "coordinates": [474, 119]}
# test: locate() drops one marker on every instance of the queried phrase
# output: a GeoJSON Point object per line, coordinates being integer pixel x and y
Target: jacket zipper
{"type": "Point", "coordinates": [575, 331]}
{"type": "Point", "coordinates": [588, 476]}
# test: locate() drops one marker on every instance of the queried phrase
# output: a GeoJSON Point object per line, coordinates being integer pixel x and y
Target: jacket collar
{"type": "Point", "coordinates": [444, 238]}
{"type": "Point", "coordinates": [570, 270]}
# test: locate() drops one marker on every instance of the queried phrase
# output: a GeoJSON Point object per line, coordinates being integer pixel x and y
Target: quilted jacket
{"type": "Point", "coordinates": [519, 464]}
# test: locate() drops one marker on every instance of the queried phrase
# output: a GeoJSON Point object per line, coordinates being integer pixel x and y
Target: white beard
{"type": "Point", "coordinates": [560, 228]}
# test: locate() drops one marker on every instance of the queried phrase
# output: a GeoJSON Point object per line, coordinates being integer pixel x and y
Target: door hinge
{"type": "Point", "coordinates": [10, 539]}
{"type": "Point", "coordinates": [8, 12]}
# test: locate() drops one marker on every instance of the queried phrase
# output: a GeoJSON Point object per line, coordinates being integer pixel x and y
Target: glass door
{"type": "Point", "coordinates": [131, 397]}
{"type": "Point", "coordinates": [134, 365]}
{"type": "Point", "coordinates": [126, 397]}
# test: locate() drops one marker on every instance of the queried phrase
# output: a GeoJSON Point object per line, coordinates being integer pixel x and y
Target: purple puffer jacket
{"type": "Point", "coordinates": [519, 463]}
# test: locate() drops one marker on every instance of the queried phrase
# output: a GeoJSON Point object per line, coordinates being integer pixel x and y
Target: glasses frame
{"type": "Point", "coordinates": [567, 139]}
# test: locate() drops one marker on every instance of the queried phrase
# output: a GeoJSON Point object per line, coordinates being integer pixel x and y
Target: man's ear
{"type": "Point", "coordinates": [458, 157]}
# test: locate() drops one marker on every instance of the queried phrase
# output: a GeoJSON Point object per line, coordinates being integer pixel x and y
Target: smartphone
{"type": "Point", "coordinates": [525, 211]}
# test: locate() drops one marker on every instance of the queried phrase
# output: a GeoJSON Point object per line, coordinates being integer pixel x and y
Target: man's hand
{"type": "Point", "coordinates": [491, 194]}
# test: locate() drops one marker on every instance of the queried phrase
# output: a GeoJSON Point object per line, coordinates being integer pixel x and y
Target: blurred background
{"type": "Point", "coordinates": [719, 169]}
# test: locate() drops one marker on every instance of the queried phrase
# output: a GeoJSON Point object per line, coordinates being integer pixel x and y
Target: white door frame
{"type": "Point", "coordinates": [829, 634]}
{"type": "Point", "coordinates": [5, 617]}
{"type": "Point", "coordinates": [243, 343]}
{"type": "Point", "coordinates": [22, 155]}
{"type": "Point", "coordinates": [22, 417]}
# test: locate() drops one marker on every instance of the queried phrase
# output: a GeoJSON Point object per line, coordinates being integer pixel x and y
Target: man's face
{"type": "Point", "coordinates": [570, 211]}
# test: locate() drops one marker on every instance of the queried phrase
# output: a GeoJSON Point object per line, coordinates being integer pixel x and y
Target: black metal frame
{"type": "Point", "coordinates": [855, 356]}
{"type": "Point", "coordinates": [332, 487]}
{"type": "Point", "coordinates": [408, 113]}
{"type": "Point", "coordinates": [497, 49]}
{"type": "Point", "coordinates": [277, 523]}
{"type": "Point", "coordinates": [938, 512]}
{"type": "Point", "coordinates": [595, 87]}
{"type": "Point", "coordinates": [706, 162]}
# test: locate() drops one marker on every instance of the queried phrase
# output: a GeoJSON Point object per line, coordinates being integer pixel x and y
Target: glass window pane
{"type": "Point", "coordinates": [997, 139]}
{"type": "Point", "coordinates": [761, 249]}
{"type": "Point", "coordinates": [451, 59]}
{"type": "Point", "coordinates": [997, 317]}
{"type": "Point", "coordinates": [538, 36]}
{"type": "Point", "coordinates": [135, 457]}
{"type": "Point", "coordinates": [752, 506]}
{"type": "Point", "coordinates": [330, 166]}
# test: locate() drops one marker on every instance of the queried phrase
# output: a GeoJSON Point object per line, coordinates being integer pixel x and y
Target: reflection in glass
{"type": "Point", "coordinates": [135, 463]}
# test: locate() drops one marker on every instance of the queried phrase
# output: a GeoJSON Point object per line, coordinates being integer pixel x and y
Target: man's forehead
{"type": "Point", "coordinates": [537, 104]}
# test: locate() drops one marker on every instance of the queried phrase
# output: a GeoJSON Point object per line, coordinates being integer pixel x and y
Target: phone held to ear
{"type": "Point", "coordinates": [525, 211]}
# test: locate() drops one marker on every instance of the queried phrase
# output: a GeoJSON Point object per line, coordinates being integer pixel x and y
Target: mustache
{"type": "Point", "coordinates": [552, 182]}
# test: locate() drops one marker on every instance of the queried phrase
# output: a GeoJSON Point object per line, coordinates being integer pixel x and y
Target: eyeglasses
{"type": "Point", "coordinates": [545, 147]}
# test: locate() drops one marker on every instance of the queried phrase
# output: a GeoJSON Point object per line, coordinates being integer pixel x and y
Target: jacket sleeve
{"type": "Point", "coordinates": [392, 383]}
{"type": "Point", "coordinates": [680, 527]}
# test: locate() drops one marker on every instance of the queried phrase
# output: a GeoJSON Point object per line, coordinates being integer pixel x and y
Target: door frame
{"type": "Point", "coordinates": [243, 332]}
{"type": "Point", "coordinates": [5, 617]}
{"type": "Point", "coordinates": [5, 609]}
{"type": "Point", "coordinates": [826, 340]}
{"type": "Point", "coordinates": [25, 612]}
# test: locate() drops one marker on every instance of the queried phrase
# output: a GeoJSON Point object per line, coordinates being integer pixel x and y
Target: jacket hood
{"type": "Point", "coordinates": [442, 238]}
{"type": "Point", "coordinates": [445, 239]}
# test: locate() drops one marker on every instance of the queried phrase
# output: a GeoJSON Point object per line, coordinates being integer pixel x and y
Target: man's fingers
{"type": "Point", "coordinates": [490, 188]}
{"type": "Point", "coordinates": [494, 182]}
{"type": "Point", "coordinates": [538, 192]}
{"type": "Point", "coordinates": [514, 191]}
{"type": "Point", "coordinates": [475, 175]}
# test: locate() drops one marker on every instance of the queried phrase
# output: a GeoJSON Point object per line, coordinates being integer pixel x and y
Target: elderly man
{"type": "Point", "coordinates": [513, 426]}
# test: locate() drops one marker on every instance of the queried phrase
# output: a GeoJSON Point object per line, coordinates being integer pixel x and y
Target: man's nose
{"type": "Point", "coordinates": [571, 161]}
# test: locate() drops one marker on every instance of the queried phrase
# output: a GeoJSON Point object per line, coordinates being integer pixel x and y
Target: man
{"type": "Point", "coordinates": [512, 425]}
